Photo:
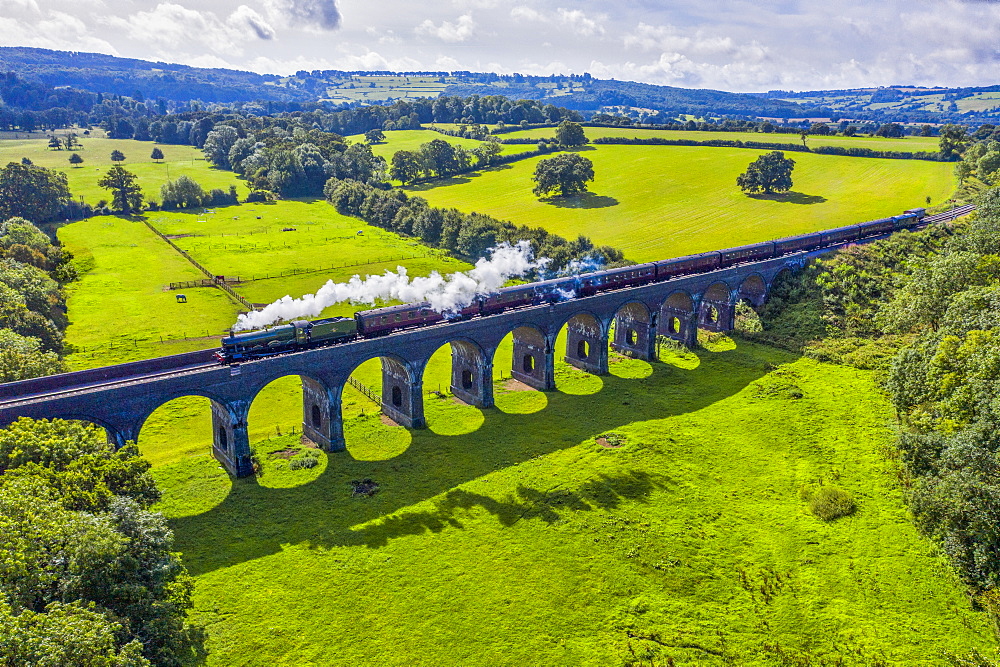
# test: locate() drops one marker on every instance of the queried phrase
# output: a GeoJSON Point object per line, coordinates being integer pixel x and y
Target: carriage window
{"type": "Point", "coordinates": [399, 316]}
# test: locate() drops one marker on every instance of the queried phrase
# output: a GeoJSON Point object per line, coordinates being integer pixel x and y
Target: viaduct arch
{"type": "Point", "coordinates": [120, 398]}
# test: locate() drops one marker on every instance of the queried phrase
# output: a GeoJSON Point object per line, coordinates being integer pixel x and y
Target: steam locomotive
{"type": "Point", "coordinates": [306, 334]}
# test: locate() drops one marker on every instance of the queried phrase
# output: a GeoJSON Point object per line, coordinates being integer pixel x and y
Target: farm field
{"type": "Point", "coordinates": [655, 202]}
{"type": "Point", "coordinates": [96, 153]}
{"type": "Point", "coordinates": [411, 140]}
{"type": "Point", "coordinates": [914, 144]}
{"type": "Point", "coordinates": [509, 536]}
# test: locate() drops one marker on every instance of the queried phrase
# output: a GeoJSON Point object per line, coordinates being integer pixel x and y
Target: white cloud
{"type": "Point", "coordinates": [459, 31]}
{"type": "Point", "coordinates": [579, 22]}
{"type": "Point", "coordinates": [171, 26]}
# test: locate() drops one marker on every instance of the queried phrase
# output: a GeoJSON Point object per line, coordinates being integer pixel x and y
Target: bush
{"type": "Point", "coordinates": [308, 460]}
{"type": "Point", "coordinates": [832, 502]}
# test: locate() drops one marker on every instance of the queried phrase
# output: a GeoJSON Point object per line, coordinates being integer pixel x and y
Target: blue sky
{"type": "Point", "coordinates": [732, 45]}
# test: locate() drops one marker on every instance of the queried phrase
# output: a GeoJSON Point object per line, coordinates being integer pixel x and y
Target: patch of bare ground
{"type": "Point", "coordinates": [516, 385]}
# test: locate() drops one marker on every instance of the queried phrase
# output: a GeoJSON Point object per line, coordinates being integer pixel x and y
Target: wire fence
{"type": "Point", "coordinates": [216, 280]}
{"type": "Point", "coordinates": [365, 390]}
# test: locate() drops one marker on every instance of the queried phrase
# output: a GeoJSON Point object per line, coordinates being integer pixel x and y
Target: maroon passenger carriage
{"type": "Point", "coordinates": [382, 321]}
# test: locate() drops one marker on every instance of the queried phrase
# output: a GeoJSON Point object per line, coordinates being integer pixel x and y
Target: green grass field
{"type": "Point", "coordinates": [508, 536]}
{"type": "Point", "coordinates": [411, 140]}
{"type": "Point", "coordinates": [654, 202]}
{"type": "Point", "coordinates": [512, 538]}
{"type": "Point", "coordinates": [914, 144]}
{"type": "Point", "coordinates": [96, 153]}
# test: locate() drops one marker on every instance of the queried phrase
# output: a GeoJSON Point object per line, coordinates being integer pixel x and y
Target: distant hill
{"type": "Point", "coordinates": [910, 103]}
{"type": "Point", "coordinates": [100, 73]}
{"type": "Point", "coordinates": [141, 79]}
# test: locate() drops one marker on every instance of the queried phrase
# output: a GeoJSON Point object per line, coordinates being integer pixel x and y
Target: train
{"type": "Point", "coordinates": [307, 334]}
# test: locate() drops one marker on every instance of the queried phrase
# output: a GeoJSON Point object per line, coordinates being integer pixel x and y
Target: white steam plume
{"type": "Point", "coordinates": [445, 293]}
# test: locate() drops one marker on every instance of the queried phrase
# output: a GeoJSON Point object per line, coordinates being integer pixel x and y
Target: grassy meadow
{"type": "Point", "coordinates": [654, 516]}
{"type": "Point", "coordinates": [655, 202]}
{"type": "Point", "coordinates": [515, 538]}
{"type": "Point", "coordinates": [914, 144]}
{"type": "Point", "coordinates": [96, 153]}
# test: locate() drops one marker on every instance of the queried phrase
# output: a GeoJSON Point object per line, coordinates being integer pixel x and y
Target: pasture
{"type": "Point", "coordinates": [655, 202]}
{"type": "Point", "coordinates": [913, 144]}
{"type": "Point", "coordinates": [511, 536]}
{"type": "Point", "coordinates": [517, 534]}
{"type": "Point", "coordinates": [96, 154]}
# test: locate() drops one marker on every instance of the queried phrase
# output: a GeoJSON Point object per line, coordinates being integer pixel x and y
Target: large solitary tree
{"type": "Point", "coordinates": [570, 134]}
{"type": "Point", "coordinates": [771, 172]}
{"type": "Point", "coordinates": [126, 194]}
{"type": "Point", "coordinates": [568, 174]}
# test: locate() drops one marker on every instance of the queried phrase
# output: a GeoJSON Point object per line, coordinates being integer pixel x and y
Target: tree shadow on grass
{"type": "Point", "coordinates": [255, 521]}
{"type": "Point", "coordinates": [791, 198]}
{"type": "Point", "coordinates": [581, 200]}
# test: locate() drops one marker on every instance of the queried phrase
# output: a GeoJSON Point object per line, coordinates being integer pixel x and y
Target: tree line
{"type": "Point", "coordinates": [465, 234]}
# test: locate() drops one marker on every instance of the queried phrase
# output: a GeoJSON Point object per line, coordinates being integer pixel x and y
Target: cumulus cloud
{"type": "Point", "coordinates": [750, 45]}
{"type": "Point", "coordinates": [316, 15]}
{"type": "Point", "coordinates": [572, 20]}
{"type": "Point", "coordinates": [459, 31]}
{"type": "Point", "coordinates": [170, 25]}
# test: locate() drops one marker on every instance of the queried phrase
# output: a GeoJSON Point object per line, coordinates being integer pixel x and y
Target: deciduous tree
{"type": "Point", "coordinates": [569, 133]}
{"type": "Point", "coordinates": [157, 154]}
{"type": "Point", "coordinates": [568, 174]}
{"type": "Point", "coordinates": [771, 172]}
{"type": "Point", "coordinates": [75, 159]}
{"type": "Point", "coordinates": [117, 156]}
{"type": "Point", "coordinates": [31, 192]}
{"type": "Point", "coordinates": [126, 194]}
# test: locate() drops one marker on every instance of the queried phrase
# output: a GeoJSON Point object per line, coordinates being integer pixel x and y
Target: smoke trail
{"type": "Point", "coordinates": [445, 293]}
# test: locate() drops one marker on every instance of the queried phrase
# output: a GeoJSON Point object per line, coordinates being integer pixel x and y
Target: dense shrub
{"type": "Point", "coordinates": [832, 502]}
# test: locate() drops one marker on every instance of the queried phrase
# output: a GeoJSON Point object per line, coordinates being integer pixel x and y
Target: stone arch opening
{"type": "Point", "coordinates": [378, 403]}
{"type": "Point", "coordinates": [717, 308]}
{"type": "Point", "coordinates": [586, 344]}
{"type": "Point", "coordinates": [284, 407]}
{"type": "Point", "coordinates": [458, 379]}
{"type": "Point", "coordinates": [678, 319]}
{"type": "Point", "coordinates": [182, 426]}
{"type": "Point", "coordinates": [753, 290]}
{"type": "Point", "coordinates": [634, 331]}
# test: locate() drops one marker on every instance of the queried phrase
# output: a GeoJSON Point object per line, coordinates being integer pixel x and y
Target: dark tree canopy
{"type": "Point", "coordinates": [117, 156]}
{"type": "Point", "coordinates": [157, 154]}
{"type": "Point", "coordinates": [570, 134]}
{"type": "Point", "coordinates": [126, 194]}
{"type": "Point", "coordinates": [771, 172]}
{"type": "Point", "coordinates": [31, 192]}
{"type": "Point", "coordinates": [374, 136]}
{"type": "Point", "coordinates": [567, 173]}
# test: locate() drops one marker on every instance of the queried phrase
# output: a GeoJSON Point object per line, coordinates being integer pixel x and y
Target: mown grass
{"type": "Point", "coordinates": [516, 539]}
{"type": "Point", "coordinates": [914, 144]}
{"type": "Point", "coordinates": [96, 153]}
{"type": "Point", "coordinates": [655, 202]}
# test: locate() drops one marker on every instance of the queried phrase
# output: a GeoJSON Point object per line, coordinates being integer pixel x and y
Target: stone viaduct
{"type": "Point", "coordinates": [121, 398]}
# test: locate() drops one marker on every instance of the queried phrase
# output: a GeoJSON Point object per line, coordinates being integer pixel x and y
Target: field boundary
{"type": "Point", "coordinates": [219, 282]}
